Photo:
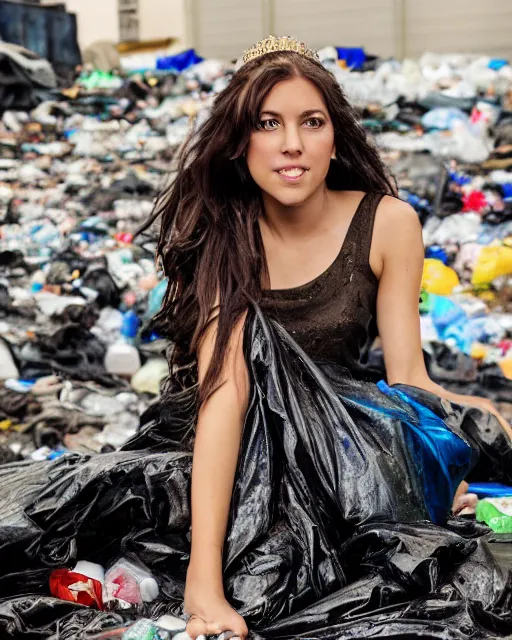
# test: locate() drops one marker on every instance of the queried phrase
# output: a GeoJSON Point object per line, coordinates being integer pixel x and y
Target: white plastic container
{"type": "Point", "coordinates": [8, 368]}
{"type": "Point", "coordinates": [122, 359]}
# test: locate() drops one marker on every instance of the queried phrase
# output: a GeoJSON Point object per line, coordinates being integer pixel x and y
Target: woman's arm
{"type": "Point", "coordinates": [216, 451]}
{"type": "Point", "coordinates": [398, 242]}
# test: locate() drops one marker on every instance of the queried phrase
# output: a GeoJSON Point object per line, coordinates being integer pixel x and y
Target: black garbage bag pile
{"type": "Point", "coordinates": [328, 535]}
{"type": "Point", "coordinates": [25, 78]}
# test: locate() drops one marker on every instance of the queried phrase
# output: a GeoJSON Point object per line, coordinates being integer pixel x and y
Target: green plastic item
{"type": "Point", "coordinates": [100, 80]}
{"type": "Point", "coordinates": [425, 302]}
{"type": "Point", "coordinates": [375, 126]}
{"type": "Point", "coordinates": [496, 513]}
{"type": "Point", "coordinates": [143, 630]}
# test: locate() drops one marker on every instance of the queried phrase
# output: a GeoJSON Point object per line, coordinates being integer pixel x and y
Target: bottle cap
{"type": "Point", "coordinates": [149, 589]}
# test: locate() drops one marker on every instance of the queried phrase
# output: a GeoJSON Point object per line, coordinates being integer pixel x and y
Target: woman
{"type": "Point", "coordinates": [281, 202]}
{"type": "Point", "coordinates": [320, 501]}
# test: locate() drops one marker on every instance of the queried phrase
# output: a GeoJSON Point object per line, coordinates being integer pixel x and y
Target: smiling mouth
{"type": "Point", "coordinates": [292, 172]}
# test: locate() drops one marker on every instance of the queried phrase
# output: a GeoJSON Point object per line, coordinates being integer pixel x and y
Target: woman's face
{"type": "Point", "coordinates": [289, 154]}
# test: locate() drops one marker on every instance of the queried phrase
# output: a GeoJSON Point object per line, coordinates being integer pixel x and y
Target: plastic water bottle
{"type": "Point", "coordinates": [38, 281]}
{"type": "Point", "coordinates": [122, 358]}
{"type": "Point", "coordinates": [45, 234]}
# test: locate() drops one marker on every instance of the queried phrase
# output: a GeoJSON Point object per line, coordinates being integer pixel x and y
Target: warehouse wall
{"type": "Point", "coordinates": [223, 28]}
{"type": "Point", "coordinates": [369, 23]}
{"type": "Point", "coordinates": [398, 28]}
{"type": "Point", "coordinates": [459, 25]}
{"type": "Point", "coordinates": [99, 19]}
{"type": "Point", "coordinates": [163, 19]}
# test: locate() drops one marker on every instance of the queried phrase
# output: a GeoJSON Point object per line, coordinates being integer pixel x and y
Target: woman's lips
{"type": "Point", "coordinates": [292, 174]}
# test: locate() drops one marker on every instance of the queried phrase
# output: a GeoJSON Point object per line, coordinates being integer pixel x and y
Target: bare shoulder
{"type": "Point", "coordinates": [397, 236]}
{"type": "Point", "coordinates": [396, 221]}
{"type": "Point", "coordinates": [393, 211]}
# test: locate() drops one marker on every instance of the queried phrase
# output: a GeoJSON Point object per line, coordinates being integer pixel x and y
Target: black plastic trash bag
{"type": "Point", "coordinates": [71, 351]}
{"type": "Point", "coordinates": [331, 532]}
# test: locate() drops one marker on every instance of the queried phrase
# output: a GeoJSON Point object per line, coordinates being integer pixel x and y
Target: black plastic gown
{"type": "Point", "coordinates": [331, 533]}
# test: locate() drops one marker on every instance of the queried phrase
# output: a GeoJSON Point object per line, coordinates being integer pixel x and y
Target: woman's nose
{"type": "Point", "coordinates": [292, 141]}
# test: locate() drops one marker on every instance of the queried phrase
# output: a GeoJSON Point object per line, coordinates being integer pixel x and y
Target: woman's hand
{"type": "Point", "coordinates": [464, 503]}
{"type": "Point", "coordinates": [210, 613]}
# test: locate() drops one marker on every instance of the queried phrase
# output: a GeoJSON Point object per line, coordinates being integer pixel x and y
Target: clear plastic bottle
{"type": "Point", "coordinates": [130, 582]}
{"type": "Point", "coordinates": [38, 281]}
{"type": "Point", "coordinates": [122, 358]}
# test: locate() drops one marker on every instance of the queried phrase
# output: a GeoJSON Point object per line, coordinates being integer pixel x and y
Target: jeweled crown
{"type": "Point", "coordinates": [271, 44]}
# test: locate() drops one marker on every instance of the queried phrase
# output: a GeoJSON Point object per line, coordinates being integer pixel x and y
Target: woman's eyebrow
{"type": "Point", "coordinates": [305, 114]}
{"type": "Point", "coordinates": [312, 112]}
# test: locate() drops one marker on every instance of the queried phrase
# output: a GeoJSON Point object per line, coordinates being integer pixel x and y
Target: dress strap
{"type": "Point", "coordinates": [361, 230]}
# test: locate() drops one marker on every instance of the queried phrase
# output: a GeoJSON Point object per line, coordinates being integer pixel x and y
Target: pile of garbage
{"type": "Point", "coordinates": [124, 585]}
{"type": "Point", "coordinates": [80, 173]}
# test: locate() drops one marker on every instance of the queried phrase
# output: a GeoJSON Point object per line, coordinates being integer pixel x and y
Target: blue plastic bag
{"type": "Point", "coordinates": [355, 57]}
{"type": "Point", "coordinates": [178, 62]}
{"type": "Point", "coordinates": [490, 489]}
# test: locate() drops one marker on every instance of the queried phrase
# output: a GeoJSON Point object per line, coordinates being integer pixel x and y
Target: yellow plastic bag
{"type": "Point", "coordinates": [438, 278]}
{"type": "Point", "coordinates": [493, 262]}
{"type": "Point", "coordinates": [506, 367]}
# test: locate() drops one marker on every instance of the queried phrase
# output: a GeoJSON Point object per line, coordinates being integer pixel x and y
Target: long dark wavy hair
{"type": "Point", "coordinates": [210, 244]}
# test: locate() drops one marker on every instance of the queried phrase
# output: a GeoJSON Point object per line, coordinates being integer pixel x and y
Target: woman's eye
{"type": "Point", "coordinates": [314, 123]}
{"type": "Point", "coordinates": [269, 125]}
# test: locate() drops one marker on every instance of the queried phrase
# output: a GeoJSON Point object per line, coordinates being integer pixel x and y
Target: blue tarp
{"type": "Point", "coordinates": [355, 57]}
{"type": "Point", "coordinates": [498, 63]}
{"type": "Point", "coordinates": [178, 62]}
{"type": "Point", "coordinates": [490, 489]}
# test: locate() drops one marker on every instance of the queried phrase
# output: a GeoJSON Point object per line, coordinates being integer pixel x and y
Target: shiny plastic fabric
{"type": "Point", "coordinates": [330, 534]}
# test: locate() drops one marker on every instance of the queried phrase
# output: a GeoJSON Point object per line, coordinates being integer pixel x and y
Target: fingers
{"type": "Point", "coordinates": [229, 635]}
{"type": "Point", "coordinates": [465, 504]}
{"type": "Point", "coordinates": [240, 630]}
{"type": "Point", "coordinates": [197, 627]}
{"type": "Point", "coordinates": [469, 501]}
{"type": "Point", "coordinates": [462, 489]}
{"type": "Point", "coordinates": [214, 628]}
